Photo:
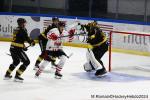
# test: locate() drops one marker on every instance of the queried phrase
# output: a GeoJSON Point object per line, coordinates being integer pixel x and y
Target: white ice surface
{"type": "Point", "coordinates": [76, 84]}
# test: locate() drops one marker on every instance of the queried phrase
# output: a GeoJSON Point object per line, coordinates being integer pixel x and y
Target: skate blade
{"type": "Point", "coordinates": [57, 77]}
{"type": "Point", "coordinates": [102, 75]}
{"type": "Point", "coordinates": [17, 80]}
{"type": "Point", "coordinates": [36, 76]}
{"type": "Point", "coordinates": [6, 78]}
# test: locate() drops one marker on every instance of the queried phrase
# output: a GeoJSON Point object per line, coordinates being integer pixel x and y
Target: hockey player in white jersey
{"type": "Point", "coordinates": [54, 49]}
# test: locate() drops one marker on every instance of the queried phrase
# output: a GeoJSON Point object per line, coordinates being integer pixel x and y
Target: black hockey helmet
{"type": "Point", "coordinates": [21, 20]}
{"type": "Point", "coordinates": [55, 19]}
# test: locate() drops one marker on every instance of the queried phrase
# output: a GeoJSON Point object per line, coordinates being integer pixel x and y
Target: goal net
{"type": "Point", "coordinates": [129, 52]}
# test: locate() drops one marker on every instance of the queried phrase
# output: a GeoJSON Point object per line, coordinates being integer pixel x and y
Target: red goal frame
{"type": "Point", "coordinates": [110, 43]}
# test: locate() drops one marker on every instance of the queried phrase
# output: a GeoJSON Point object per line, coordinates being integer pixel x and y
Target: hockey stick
{"type": "Point", "coordinates": [69, 55]}
{"type": "Point", "coordinates": [73, 35]}
{"type": "Point", "coordinates": [53, 63]}
{"type": "Point", "coordinates": [8, 54]}
{"type": "Point", "coordinates": [143, 67]}
{"type": "Point", "coordinates": [25, 47]}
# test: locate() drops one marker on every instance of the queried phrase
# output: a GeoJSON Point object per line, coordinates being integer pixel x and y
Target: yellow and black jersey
{"type": "Point", "coordinates": [96, 37]}
{"type": "Point", "coordinates": [20, 36]}
{"type": "Point", "coordinates": [89, 26]}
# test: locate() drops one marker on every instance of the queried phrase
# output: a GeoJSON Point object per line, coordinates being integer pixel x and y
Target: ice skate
{"type": "Point", "coordinates": [37, 74]}
{"type": "Point", "coordinates": [7, 77]}
{"type": "Point", "coordinates": [100, 72]}
{"type": "Point", "coordinates": [39, 71]}
{"type": "Point", "coordinates": [18, 79]}
{"type": "Point", "coordinates": [58, 75]}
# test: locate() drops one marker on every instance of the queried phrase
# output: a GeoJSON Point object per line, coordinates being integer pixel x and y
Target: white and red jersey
{"type": "Point", "coordinates": [55, 39]}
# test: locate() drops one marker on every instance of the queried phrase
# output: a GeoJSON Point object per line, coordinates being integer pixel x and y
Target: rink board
{"type": "Point", "coordinates": [36, 25]}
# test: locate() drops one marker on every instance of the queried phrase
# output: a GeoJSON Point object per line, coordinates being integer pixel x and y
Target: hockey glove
{"type": "Point", "coordinates": [32, 43]}
{"type": "Point", "coordinates": [25, 49]}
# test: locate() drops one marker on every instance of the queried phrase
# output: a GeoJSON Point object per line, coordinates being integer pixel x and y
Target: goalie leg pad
{"type": "Point", "coordinates": [92, 63]}
{"type": "Point", "coordinates": [87, 67]}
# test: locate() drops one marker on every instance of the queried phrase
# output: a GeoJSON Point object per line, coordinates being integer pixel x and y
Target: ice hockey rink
{"type": "Point", "coordinates": [125, 79]}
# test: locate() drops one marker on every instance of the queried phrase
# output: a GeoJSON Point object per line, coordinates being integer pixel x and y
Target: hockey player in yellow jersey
{"type": "Point", "coordinates": [98, 40]}
{"type": "Point", "coordinates": [17, 48]}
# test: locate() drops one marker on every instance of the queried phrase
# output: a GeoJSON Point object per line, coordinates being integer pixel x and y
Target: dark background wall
{"type": "Point", "coordinates": [1, 5]}
{"type": "Point", "coordinates": [137, 10]}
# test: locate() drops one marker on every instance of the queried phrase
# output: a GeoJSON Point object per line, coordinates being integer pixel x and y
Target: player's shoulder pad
{"type": "Point", "coordinates": [54, 30]}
